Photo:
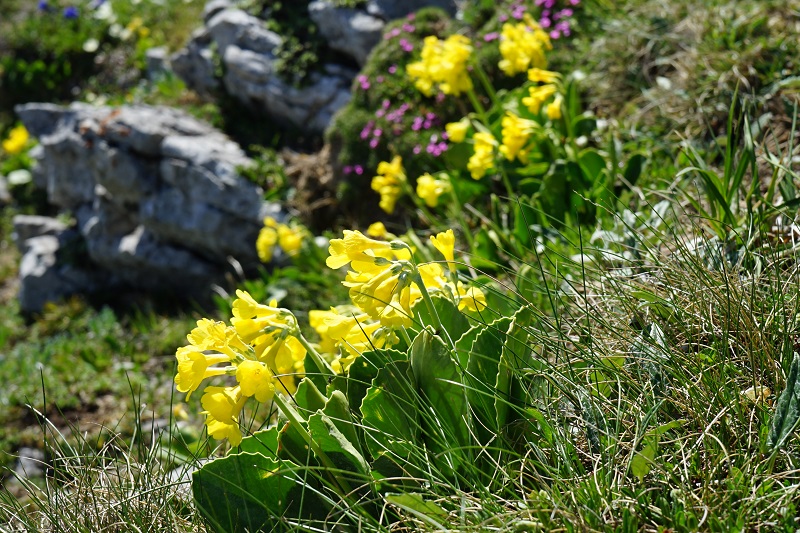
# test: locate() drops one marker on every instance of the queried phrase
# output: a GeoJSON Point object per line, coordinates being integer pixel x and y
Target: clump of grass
{"type": "Point", "coordinates": [108, 483]}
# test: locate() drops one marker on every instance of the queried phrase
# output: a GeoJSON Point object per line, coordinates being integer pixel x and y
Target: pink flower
{"type": "Point", "coordinates": [392, 69]}
{"type": "Point", "coordinates": [359, 169]}
{"type": "Point", "coordinates": [417, 149]}
{"type": "Point", "coordinates": [406, 46]}
{"type": "Point", "coordinates": [408, 27]}
{"type": "Point", "coordinates": [492, 36]}
{"type": "Point", "coordinates": [373, 143]}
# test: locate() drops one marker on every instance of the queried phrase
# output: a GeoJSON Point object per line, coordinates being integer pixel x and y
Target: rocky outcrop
{"type": "Point", "coordinates": [240, 46]}
{"type": "Point", "coordinates": [156, 196]}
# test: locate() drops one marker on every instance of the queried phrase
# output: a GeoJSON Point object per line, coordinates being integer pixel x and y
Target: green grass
{"type": "Point", "coordinates": [635, 414]}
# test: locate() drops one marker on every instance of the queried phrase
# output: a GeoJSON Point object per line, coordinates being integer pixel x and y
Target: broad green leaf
{"type": "Point", "coordinates": [464, 344]}
{"type": "Point", "coordinates": [593, 166]}
{"type": "Point", "coordinates": [482, 376]}
{"type": "Point", "coordinates": [515, 355]}
{"type": "Point", "coordinates": [264, 442]}
{"type": "Point", "coordinates": [364, 369]}
{"type": "Point", "coordinates": [428, 512]}
{"type": "Point", "coordinates": [642, 461]}
{"type": "Point", "coordinates": [524, 216]}
{"type": "Point", "coordinates": [335, 445]}
{"type": "Point", "coordinates": [338, 409]}
{"type": "Point", "coordinates": [390, 411]}
{"type": "Point", "coordinates": [633, 169]}
{"type": "Point", "coordinates": [787, 409]}
{"type": "Point", "coordinates": [452, 319]}
{"type": "Point", "coordinates": [446, 420]}
{"type": "Point", "coordinates": [251, 492]}
{"type": "Point", "coordinates": [308, 397]}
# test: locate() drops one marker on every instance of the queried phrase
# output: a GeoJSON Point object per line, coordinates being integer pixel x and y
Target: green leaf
{"type": "Point", "coordinates": [515, 356]}
{"type": "Point", "coordinates": [335, 445]}
{"type": "Point", "coordinates": [633, 169]}
{"type": "Point", "coordinates": [308, 397]}
{"type": "Point", "coordinates": [390, 411]}
{"type": "Point", "coordinates": [593, 166]}
{"type": "Point", "coordinates": [439, 381]}
{"type": "Point", "coordinates": [428, 512]}
{"type": "Point", "coordinates": [787, 409]}
{"type": "Point", "coordinates": [364, 369]}
{"type": "Point", "coordinates": [251, 492]}
{"type": "Point", "coordinates": [452, 319]}
{"type": "Point", "coordinates": [482, 377]}
{"type": "Point", "coordinates": [338, 409]}
{"type": "Point", "coordinates": [264, 442]}
{"type": "Point", "coordinates": [642, 461]}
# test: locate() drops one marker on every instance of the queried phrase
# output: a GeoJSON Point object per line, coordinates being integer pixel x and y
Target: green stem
{"type": "Point", "coordinates": [404, 334]}
{"type": "Point", "coordinates": [507, 184]}
{"type": "Point", "coordinates": [418, 202]}
{"type": "Point", "coordinates": [432, 310]}
{"type": "Point", "coordinates": [297, 422]}
{"type": "Point", "coordinates": [463, 219]}
{"type": "Point", "coordinates": [321, 363]}
{"type": "Point", "coordinates": [476, 103]}
{"type": "Point", "coordinates": [486, 83]}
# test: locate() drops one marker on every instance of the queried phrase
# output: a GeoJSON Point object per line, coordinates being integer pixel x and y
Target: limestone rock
{"type": "Point", "coordinates": [350, 31]}
{"type": "Point", "coordinates": [395, 9]}
{"type": "Point", "coordinates": [157, 196]}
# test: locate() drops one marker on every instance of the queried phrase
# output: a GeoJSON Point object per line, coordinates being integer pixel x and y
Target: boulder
{"type": "Point", "coordinates": [157, 196]}
{"type": "Point", "coordinates": [347, 30]}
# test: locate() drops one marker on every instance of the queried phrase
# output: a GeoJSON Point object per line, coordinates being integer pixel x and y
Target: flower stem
{"type": "Point", "coordinates": [322, 364]}
{"type": "Point", "coordinates": [440, 329]}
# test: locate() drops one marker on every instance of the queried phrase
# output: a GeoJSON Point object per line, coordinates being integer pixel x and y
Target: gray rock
{"type": "Point", "coordinates": [395, 9]}
{"type": "Point", "coordinates": [195, 65]}
{"type": "Point", "coordinates": [213, 7]}
{"type": "Point", "coordinates": [5, 196]}
{"type": "Point", "coordinates": [30, 463]}
{"type": "Point", "coordinates": [157, 197]}
{"type": "Point", "coordinates": [156, 62]}
{"type": "Point", "coordinates": [350, 31]}
{"type": "Point", "coordinates": [27, 227]}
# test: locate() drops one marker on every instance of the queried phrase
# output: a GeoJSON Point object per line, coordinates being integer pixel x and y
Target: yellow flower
{"type": "Point", "coordinates": [537, 75]}
{"type": "Point", "coordinates": [194, 366]}
{"type": "Point", "coordinates": [16, 140]}
{"type": "Point", "coordinates": [457, 131]}
{"type": "Point", "coordinates": [362, 252]}
{"type": "Point", "coordinates": [222, 406]}
{"type": "Point", "coordinates": [290, 239]}
{"type": "Point", "coordinates": [445, 242]}
{"type": "Point", "coordinates": [516, 132]}
{"type": "Point", "coordinates": [472, 299]}
{"type": "Point", "coordinates": [522, 46]}
{"type": "Point", "coordinates": [553, 109]}
{"type": "Point", "coordinates": [442, 64]}
{"type": "Point", "coordinates": [255, 379]}
{"type": "Point", "coordinates": [378, 231]}
{"type": "Point", "coordinates": [349, 329]}
{"type": "Point", "coordinates": [483, 158]}
{"type": "Point", "coordinates": [430, 189]}
{"type": "Point", "coordinates": [267, 239]}
{"type": "Point", "coordinates": [537, 96]}
{"type": "Point", "coordinates": [215, 335]}
{"type": "Point", "coordinates": [389, 182]}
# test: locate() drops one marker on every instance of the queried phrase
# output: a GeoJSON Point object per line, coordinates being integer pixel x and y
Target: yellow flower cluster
{"type": "Point", "coordinates": [346, 332]}
{"type": "Point", "coordinates": [483, 157]}
{"type": "Point", "coordinates": [538, 95]}
{"type": "Point", "coordinates": [442, 64]}
{"type": "Point", "coordinates": [389, 182]}
{"type": "Point", "coordinates": [516, 133]}
{"type": "Point", "coordinates": [259, 348]}
{"type": "Point", "coordinates": [523, 45]}
{"type": "Point", "coordinates": [384, 283]}
{"type": "Point", "coordinates": [17, 139]}
{"type": "Point", "coordinates": [289, 238]}
{"type": "Point", "coordinates": [457, 131]}
{"type": "Point", "coordinates": [430, 188]}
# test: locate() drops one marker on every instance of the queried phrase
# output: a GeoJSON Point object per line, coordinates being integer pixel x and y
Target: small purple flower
{"type": "Point", "coordinates": [386, 103]}
{"type": "Point", "coordinates": [430, 115]}
{"type": "Point", "coordinates": [417, 149]}
{"type": "Point", "coordinates": [406, 45]}
{"type": "Point", "coordinates": [71, 12]}
{"type": "Point", "coordinates": [440, 97]}
{"type": "Point", "coordinates": [392, 69]}
{"type": "Point", "coordinates": [373, 143]}
{"type": "Point", "coordinates": [394, 32]}
{"type": "Point", "coordinates": [411, 16]}
{"type": "Point", "coordinates": [491, 36]}
{"type": "Point", "coordinates": [502, 17]}
{"type": "Point", "coordinates": [348, 169]}
{"type": "Point", "coordinates": [379, 79]}
{"type": "Point", "coordinates": [367, 130]}
{"type": "Point", "coordinates": [574, 2]}
{"type": "Point", "coordinates": [379, 113]}
{"type": "Point", "coordinates": [377, 132]}
{"type": "Point", "coordinates": [358, 169]}
{"type": "Point", "coordinates": [363, 82]}
{"type": "Point", "coordinates": [555, 34]}
{"type": "Point", "coordinates": [43, 5]}
{"type": "Point", "coordinates": [417, 124]}
{"type": "Point", "coordinates": [545, 23]}
{"type": "Point", "coordinates": [408, 27]}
